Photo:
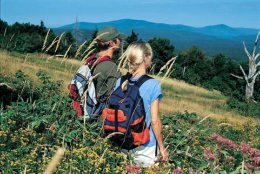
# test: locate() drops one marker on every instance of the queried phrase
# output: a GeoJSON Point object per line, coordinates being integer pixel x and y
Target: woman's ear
{"type": "Point", "coordinates": [147, 61]}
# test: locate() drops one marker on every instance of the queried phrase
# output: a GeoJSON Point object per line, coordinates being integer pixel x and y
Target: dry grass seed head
{"type": "Point", "coordinates": [45, 40]}
{"type": "Point", "coordinates": [79, 49]}
{"type": "Point", "coordinates": [58, 43]}
{"type": "Point", "coordinates": [53, 42]}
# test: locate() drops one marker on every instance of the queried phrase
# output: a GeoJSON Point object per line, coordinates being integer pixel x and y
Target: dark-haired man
{"type": "Point", "coordinates": [104, 69]}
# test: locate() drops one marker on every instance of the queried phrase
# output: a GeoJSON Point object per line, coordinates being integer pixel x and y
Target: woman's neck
{"type": "Point", "coordinates": [140, 71]}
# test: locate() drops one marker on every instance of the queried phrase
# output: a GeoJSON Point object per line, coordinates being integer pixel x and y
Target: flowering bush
{"type": "Point", "coordinates": [196, 146]}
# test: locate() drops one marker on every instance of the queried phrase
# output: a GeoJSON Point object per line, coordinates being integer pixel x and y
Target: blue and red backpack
{"type": "Point", "coordinates": [125, 115]}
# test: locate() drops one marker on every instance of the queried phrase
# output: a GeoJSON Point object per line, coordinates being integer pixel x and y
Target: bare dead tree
{"type": "Point", "coordinates": [253, 72]}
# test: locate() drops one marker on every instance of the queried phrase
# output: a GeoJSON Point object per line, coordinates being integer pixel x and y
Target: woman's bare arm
{"type": "Point", "coordinates": [157, 128]}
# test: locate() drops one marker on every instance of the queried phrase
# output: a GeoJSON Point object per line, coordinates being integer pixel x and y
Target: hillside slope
{"type": "Point", "coordinates": [178, 95]}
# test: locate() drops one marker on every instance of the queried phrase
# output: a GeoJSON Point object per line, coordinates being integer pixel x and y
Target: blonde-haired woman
{"type": "Point", "coordinates": [139, 57]}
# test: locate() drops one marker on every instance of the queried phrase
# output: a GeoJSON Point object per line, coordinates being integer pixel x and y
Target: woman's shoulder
{"type": "Point", "coordinates": [151, 89]}
{"type": "Point", "coordinates": [152, 82]}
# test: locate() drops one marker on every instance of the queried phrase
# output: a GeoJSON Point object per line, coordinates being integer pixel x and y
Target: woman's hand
{"type": "Point", "coordinates": [164, 154]}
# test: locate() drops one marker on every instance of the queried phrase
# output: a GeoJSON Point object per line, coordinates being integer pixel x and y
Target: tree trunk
{"type": "Point", "coordinates": [250, 91]}
{"type": "Point", "coordinates": [251, 81]}
{"type": "Point", "coordinates": [252, 69]}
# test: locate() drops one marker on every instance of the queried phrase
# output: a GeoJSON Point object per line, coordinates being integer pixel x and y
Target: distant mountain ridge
{"type": "Point", "coordinates": [211, 39]}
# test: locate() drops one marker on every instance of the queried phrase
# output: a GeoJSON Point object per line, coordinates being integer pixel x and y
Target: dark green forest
{"type": "Point", "coordinates": [29, 38]}
{"type": "Point", "coordinates": [191, 66]}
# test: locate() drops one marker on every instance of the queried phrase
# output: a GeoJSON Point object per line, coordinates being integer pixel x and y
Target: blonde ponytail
{"type": "Point", "coordinates": [124, 85]}
{"type": "Point", "coordinates": [135, 55]}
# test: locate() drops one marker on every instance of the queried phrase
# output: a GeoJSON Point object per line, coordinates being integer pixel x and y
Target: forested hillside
{"type": "Point", "coordinates": [212, 40]}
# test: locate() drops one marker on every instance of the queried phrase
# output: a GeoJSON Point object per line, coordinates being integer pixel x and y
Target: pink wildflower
{"type": "Point", "coordinates": [207, 150]}
{"type": "Point", "coordinates": [190, 170]}
{"type": "Point", "coordinates": [177, 171]}
{"type": "Point", "coordinates": [198, 172]}
{"type": "Point", "coordinates": [257, 153]}
{"type": "Point", "coordinates": [249, 166]}
{"type": "Point", "coordinates": [208, 155]}
{"type": "Point", "coordinates": [132, 168]}
{"type": "Point", "coordinates": [214, 136]}
{"type": "Point", "coordinates": [230, 159]}
{"type": "Point", "coordinates": [226, 142]}
{"type": "Point", "coordinates": [223, 141]}
{"type": "Point", "coordinates": [256, 160]}
{"type": "Point", "coordinates": [244, 148]}
{"type": "Point", "coordinates": [254, 152]}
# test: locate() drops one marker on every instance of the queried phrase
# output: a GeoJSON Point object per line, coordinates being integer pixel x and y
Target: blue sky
{"type": "Point", "coordinates": [54, 13]}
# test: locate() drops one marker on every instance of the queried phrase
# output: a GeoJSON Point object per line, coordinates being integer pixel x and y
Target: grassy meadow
{"type": "Point", "coordinates": [196, 125]}
{"type": "Point", "coordinates": [178, 95]}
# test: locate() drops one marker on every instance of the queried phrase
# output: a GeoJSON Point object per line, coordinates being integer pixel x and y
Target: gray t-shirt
{"type": "Point", "coordinates": [106, 80]}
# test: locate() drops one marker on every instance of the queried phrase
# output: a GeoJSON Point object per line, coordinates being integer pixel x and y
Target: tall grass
{"type": "Point", "coordinates": [30, 64]}
{"type": "Point", "coordinates": [178, 95]}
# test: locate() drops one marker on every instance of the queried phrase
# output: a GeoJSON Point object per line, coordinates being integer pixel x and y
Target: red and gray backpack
{"type": "Point", "coordinates": [124, 116]}
{"type": "Point", "coordinates": [83, 81]}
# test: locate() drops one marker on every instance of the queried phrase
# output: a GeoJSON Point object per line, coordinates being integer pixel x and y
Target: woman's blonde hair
{"type": "Point", "coordinates": [135, 55]}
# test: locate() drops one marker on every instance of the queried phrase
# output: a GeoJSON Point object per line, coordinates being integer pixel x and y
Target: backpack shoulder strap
{"type": "Point", "coordinates": [98, 61]}
{"type": "Point", "coordinates": [102, 59]}
{"type": "Point", "coordinates": [142, 79]}
{"type": "Point", "coordinates": [91, 59]}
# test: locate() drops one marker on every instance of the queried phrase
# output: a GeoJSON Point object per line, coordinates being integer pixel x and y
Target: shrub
{"type": "Point", "coordinates": [246, 109]}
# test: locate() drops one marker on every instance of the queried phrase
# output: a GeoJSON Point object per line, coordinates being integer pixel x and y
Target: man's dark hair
{"type": "Point", "coordinates": [101, 46]}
